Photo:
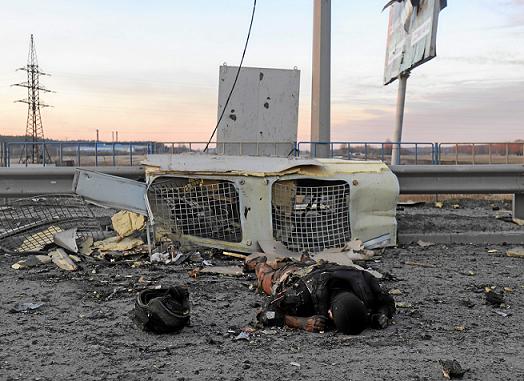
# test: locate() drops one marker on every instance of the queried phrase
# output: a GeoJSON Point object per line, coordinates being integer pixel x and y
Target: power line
{"type": "Point", "coordinates": [236, 77]}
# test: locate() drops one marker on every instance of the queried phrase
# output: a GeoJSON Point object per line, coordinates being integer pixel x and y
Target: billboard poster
{"type": "Point", "coordinates": [412, 35]}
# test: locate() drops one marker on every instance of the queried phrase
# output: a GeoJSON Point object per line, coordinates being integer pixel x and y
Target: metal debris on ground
{"type": "Point", "coordinates": [67, 240]}
{"type": "Point", "coordinates": [29, 224]}
{"type": "Point", "coordinates": [31, 261]}
{"type": "Point", "coordinates": [62, 260]}
{"type": "Point", "coordinates": [161, 258]}
{"type": "Point", "coordinates": [411, 203]}
{"type": "Point", "coordinates": [242, 336]}
{"type": "Point", "coordinates": [451, 369]}
{"type": "Point", "coordinates": [424, 244]}
{"type": "Point", "coordinates": [503, 314]}
{"type": "Point", "coordinates": [234, 255]}
{"type": "Point", "coordinates": [25, 307]}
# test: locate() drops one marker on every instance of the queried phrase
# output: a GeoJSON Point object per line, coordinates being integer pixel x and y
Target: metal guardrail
{"type": "Point", "coordinates": [24, 182]}
{"type": "Point", "coordinates": [413, 179]}
{"type": "Point", "coordinates": [129, 154]}
{"type": "Point", "coordinates": [463, 179]}
{"type": "Point", "coordinates": [460, 179]}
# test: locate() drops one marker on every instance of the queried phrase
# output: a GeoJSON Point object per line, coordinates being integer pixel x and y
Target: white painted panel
{"type": "Point", "coordinates": [262, 109]}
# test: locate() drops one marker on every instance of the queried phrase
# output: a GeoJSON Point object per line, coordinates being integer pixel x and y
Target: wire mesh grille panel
{"type": "Point", "coordinates": [311, 215]}
{"type": "Point", "coordinates": [200, 208]}
{"type": "Point", "coordinates": [29, 224]}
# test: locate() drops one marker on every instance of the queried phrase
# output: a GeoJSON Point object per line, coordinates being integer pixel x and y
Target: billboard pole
{"type": "Point", "coordinates": [321, 81]}
{"type": "Point", "coordinates": [399, 120]}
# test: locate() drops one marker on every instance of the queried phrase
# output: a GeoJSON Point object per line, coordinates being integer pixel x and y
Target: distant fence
{"type": "Point", "coordinates": [410, 152]}
{"type": "Point", "coordinates": [75, 154]}
{"type": "Point", "coordinates": [480, 153]}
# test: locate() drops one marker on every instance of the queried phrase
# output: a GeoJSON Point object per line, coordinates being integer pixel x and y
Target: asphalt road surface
{"type": "Point", "coordinates": [83, 330]}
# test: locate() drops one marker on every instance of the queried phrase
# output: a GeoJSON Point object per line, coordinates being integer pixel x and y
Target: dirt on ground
{"type": "Point", "coordinates": [83, 330]}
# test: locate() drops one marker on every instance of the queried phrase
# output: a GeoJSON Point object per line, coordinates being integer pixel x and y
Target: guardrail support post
{"type": "Point", "coordinates": [518, 206]}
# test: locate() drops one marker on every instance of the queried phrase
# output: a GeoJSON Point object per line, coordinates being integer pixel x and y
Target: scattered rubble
{"type": "Point", "coordinates": [425, 244]}
{"type": "Point", "coordinates": [117, 244]}
{"type": "Point", "coordinates": [126, 223]}
{"type": "Point", "coordinates": [62, 260]}
{"type": "Point", "coordinates": [25, 307]}
{"type": "Point", "coordinates": [419, 264]}
{"type": "Point", "coordinates": [493, 298]}
{"type": "Point", "coordinates": [31, 261]}
{"type": "Point", "coordinates": [451, 369]}
{"type": "Point", "coordinates": [517, 252]}
{"type": "Point", "coordinates": [395, 292]}
{"type": "Point", "coordinates": [223, 270]}
{"type": "Point", "coordinates": [244, 336]}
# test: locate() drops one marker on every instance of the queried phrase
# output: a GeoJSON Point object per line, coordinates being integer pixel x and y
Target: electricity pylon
{"type": "Point", "coordinates": [31, 153]}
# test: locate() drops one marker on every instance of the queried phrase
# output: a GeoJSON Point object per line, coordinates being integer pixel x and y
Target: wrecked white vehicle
{"type": "Point", "coordinates": [253, 204]}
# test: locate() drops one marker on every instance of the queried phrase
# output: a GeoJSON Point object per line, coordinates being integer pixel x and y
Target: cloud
{"type": "Point", "coordinates": [470, 113]}
{"type": "Point", "coordinates": [485, 60]}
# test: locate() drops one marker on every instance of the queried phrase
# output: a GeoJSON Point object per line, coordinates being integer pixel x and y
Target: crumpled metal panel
{"type": "Point", "coordinates": [110, 191]}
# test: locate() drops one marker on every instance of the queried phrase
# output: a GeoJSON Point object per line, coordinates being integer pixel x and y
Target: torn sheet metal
{"type": "Point", "coordinates": [110, 191]}
{"type": "Point", "coordinates": [67, 240]}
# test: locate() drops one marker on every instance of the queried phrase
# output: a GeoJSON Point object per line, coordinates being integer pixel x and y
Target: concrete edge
{"type": "Point", "coordinates": [488, 238]}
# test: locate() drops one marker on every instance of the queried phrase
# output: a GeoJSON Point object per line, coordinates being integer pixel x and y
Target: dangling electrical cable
{"type": "Point", "coordinates": [236, 77]}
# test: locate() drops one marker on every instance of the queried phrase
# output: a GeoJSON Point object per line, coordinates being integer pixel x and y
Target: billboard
{"type": "Point", "coordinates": [412, 35]}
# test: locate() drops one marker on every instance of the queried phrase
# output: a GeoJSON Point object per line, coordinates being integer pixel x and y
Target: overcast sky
{"type": "Point", "coordinates": [150, 68]}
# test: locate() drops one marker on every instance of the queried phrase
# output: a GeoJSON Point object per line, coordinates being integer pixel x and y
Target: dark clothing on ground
{"type": "Point", "coordinates": [305, 290]}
